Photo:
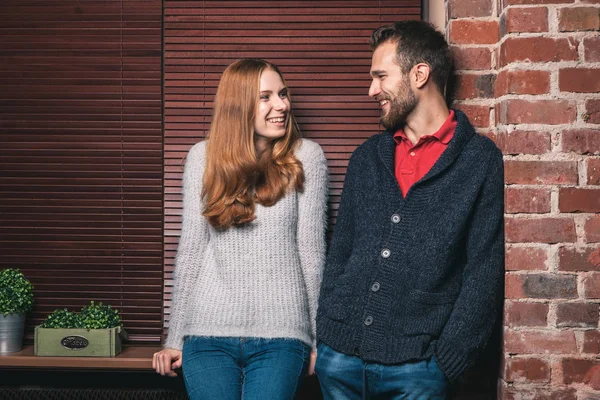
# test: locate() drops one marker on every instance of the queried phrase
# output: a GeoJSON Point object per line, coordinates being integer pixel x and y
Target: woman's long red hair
{"type": "Point", "coordinates": [235, 179]}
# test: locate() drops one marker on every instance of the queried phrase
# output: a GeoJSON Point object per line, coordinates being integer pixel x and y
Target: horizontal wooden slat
{"type": "Point", "coordinates": [81, 186]}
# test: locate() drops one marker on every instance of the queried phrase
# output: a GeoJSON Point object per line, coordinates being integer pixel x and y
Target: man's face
{"type": "Point", "coordinates": [390, 87]}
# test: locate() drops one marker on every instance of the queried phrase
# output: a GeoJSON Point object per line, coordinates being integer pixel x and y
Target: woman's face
{"type": "Point", "coordinates": [272, 111]}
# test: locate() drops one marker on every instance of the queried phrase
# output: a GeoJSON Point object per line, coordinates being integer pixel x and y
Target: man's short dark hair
{"type": "Point", "coordinates": [417, 42]}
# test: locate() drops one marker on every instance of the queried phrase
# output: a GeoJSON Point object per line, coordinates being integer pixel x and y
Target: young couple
{"type": "Point", "coordinates": [412, 282]}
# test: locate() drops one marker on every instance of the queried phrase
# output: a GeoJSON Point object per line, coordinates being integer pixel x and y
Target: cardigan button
{"type": "Point", "coordinates": [386, 253]}
{"type": "Point", "coordinates": [357, 351]}
{"type": "Point", "coordinates": [375, 287]}
{"type": "Point", "coordinates": [368, 320]}
{"type": "Point", "coordinates": [396, 218]}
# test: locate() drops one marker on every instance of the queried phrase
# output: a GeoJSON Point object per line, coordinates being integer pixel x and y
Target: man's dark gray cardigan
{"type": "Point", "coordinates": [409, 278]}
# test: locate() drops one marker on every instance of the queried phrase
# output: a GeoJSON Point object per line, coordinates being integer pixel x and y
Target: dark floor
{"type": "Point", "coordinates": [72, 385]}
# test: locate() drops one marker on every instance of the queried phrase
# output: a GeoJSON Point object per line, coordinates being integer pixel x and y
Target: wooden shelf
{"type": "Point", "coordinates": [131, 358]}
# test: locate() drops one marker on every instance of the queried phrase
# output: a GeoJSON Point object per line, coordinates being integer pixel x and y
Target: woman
{"type": "Point", "coordinates": [252, 246]}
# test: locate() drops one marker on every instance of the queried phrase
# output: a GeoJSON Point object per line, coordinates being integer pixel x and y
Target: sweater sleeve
{"type": "Point", "coordinates": [312, 224]}
{"type": "Point", "coordinates": [342, 240]}
{"type": "Point", "coordinates": [480, 300]}
{"type": "Point", "coordinates": [192, 245]}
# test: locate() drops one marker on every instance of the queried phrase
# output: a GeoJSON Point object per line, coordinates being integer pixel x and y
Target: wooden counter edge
{"type": "Point", "coordinates": [131, 358]}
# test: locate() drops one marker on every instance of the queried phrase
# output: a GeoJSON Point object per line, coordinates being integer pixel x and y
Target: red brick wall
{"type": "Point", "coordinates": [529, 78]}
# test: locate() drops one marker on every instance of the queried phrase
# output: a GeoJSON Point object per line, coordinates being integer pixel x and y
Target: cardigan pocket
{"type": "Point", "coordinates": [337, 308]}
{"type": "Point", "coordinates": [338, 304]}
{"type": "Point", "coordinates": [432, 297]}
{"type": "Point", "coordinates": [423, 313]}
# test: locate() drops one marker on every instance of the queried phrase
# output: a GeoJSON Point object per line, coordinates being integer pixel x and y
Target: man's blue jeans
{"type": "Point", "coordinates": [243, 368]}
{"type": "Point", "coordinates": [345, 377]}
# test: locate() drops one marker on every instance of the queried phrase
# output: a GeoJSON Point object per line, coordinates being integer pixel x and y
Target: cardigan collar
{"type": "Point", "coordinates": [463, 133]}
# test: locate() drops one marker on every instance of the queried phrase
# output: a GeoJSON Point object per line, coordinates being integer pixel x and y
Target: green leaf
{"type": "Point", "coordinates": [94, 316]}
{"type": "Point", "coordinates": [16, 292]}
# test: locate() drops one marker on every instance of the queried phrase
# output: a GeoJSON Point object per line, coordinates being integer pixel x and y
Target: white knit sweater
{"type": "Point", "coordinates": [258, 280]}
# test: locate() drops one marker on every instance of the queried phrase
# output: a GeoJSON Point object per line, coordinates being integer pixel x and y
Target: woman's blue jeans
{"type": "Point", "coordinates": [345, 377]}
{"type": "Point", "coordinates": [234, 368]}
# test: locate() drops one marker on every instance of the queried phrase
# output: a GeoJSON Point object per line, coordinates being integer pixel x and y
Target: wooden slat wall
{"type": "Point", "coordinates": [321, 48]}
{"type": "Point", "coordinates": [81, 210]}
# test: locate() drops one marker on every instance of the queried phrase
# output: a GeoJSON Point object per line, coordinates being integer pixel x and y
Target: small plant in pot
{"type": "Point", "coordinates": [16, 300]}
{"type": "Point", "coordinates": [96, 331]}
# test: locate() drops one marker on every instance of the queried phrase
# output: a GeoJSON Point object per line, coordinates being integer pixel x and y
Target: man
{"type": "Point", "coordinates": [413, 282]}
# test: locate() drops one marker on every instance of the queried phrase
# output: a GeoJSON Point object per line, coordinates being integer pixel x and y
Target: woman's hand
{"type": "Point", "coordinates": [311, 363]}
{"type": "Point", "coordinates": [165, 361]}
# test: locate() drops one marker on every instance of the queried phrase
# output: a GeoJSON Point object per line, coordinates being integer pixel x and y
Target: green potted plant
{"type": "Point", "coordinates": [96, 331]}
{"type": "Point", "coordinates": [16, 300]}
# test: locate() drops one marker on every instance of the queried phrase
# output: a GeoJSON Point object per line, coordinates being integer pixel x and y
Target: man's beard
{"type": "Point", "coordinates": [401, 106]}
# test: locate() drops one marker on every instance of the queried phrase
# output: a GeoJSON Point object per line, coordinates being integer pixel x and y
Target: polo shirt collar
{"type": "Point", "coordinates": [444, 134]}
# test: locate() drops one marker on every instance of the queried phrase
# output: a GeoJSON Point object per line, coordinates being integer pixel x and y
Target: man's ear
{"type": "Point", "coordinates": [420, 75]}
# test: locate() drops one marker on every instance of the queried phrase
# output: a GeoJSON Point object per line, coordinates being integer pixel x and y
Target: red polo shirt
{"type": "Point", "coordinates": [413, 161]}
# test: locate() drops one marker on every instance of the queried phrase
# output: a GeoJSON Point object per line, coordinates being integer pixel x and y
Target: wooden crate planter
{"type": "Point", "coordinates": [61, 342]}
